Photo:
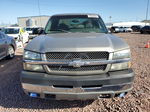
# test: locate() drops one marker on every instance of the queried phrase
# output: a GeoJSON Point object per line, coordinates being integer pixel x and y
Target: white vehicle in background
{"type": "Point", "coordinates": [128, 29]}
{"type": "Point", "coordinates": [18, 33]}
{"type": "Point", "coordinates": [29, 30]}
{"type": "Point", "coordinates": [115, 29]}
{"type": "Point", "coordinates": [121, 29]}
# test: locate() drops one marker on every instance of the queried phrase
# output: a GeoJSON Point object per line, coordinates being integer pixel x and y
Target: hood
{"type": "Point", "coordinates": [76, 42]}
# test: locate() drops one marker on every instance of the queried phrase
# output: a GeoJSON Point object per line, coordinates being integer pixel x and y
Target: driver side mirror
{"type": "Point", "coordinates": [41, 31]}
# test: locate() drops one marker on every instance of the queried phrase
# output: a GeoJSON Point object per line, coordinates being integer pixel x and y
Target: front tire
{"type": "Point", "coordinates": [10, 52]}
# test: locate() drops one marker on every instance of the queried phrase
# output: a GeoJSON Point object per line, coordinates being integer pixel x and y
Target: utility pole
{"type": "Point", "coordinates": [39, 12]}
{"type": "Point", "coordinates": [147, 9]}
{"type": "Point", "coordinates": [110, 18]}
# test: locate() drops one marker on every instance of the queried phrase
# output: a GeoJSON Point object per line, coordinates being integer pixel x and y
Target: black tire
{"type": "Point", "coordinates": [10, 52]}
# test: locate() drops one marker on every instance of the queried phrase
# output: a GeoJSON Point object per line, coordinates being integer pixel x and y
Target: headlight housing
{"type": "Point", "coordinates": [120, 66]}
{"type": "Point", "coordinates": [122, 54]}
{"type": "Point", "coordinates": [29, 55]}
{"type": "Point", "coordinates": [30, 67]}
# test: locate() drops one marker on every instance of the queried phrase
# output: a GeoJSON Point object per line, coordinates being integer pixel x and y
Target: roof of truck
{"type": "Point", "coordinates": [73, 14]}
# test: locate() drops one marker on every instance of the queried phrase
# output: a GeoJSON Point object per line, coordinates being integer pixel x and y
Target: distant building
{"type": "Point", "coordinates": [146, 21]}
{"type": "Point", "coordinates": [33, 21]}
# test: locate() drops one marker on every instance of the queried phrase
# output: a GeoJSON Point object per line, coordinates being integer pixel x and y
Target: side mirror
{"type": "Point", "coordinates": [41, 31]}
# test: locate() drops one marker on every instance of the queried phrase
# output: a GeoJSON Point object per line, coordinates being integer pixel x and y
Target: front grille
{"type": "Point", "coordinates": [80, 69]}
{"type": "Point", "coordinates": [77, 55]}
{"type": "Point", "coordinates": [71, 56]}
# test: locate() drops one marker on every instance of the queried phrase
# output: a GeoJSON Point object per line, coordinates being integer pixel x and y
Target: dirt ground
{"type": "Point", "coordinates": [13, 99]}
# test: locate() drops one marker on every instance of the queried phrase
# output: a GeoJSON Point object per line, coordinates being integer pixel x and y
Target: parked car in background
{"type": "Point", "coordinates": [18, 33]}
{"type": "Point", "coordinates": [127, 29]}
{"type": "Point", "coordinates": [136, 28]}
{"type": "Point", "coordinates": [145, 30]}
{"type": "Point", "coordinates": [2, 29]}
{"type": "Point", "coordinates": [76, 59]}
{"type": "Point", "coordinates": [7, 46]}
{"type": "Point", "coordinates": [115, 29]}
{"type": "Point", "coordinates": [121, 29]}
{"type": "Point", "coordinates": [29, 30]}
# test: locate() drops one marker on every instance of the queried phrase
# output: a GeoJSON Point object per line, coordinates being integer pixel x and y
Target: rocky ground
{"type": "Point", "coordinates": [13, 99]}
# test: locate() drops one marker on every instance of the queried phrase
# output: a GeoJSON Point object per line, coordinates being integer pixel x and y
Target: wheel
{"type": "Point", "coordinates": [10, 52]}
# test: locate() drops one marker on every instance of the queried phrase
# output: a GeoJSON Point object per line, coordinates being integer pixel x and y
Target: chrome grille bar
{"type": "Point", "coordinates": [70, 63]}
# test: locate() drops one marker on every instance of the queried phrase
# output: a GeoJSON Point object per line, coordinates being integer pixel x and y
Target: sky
{"type": "Point", "coordinates": [119, 10]}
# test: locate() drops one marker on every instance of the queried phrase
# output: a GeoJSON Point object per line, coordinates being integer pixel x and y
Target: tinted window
{"type": "Point", "coordinates": [11, 31]}
{"type": "Point", "coordinates": [28, 29]}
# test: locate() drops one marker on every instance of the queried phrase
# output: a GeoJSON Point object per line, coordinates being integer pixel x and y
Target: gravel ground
{"type": "Point", "coordinates": [12, 98]}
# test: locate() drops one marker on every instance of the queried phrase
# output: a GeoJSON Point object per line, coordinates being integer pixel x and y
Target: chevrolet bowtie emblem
{"type": "Point", "coordinates": [76, 63]}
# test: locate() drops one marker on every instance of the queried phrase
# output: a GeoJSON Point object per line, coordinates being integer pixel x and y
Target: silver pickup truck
{"type": "Point", "coordinates": [76, 59]}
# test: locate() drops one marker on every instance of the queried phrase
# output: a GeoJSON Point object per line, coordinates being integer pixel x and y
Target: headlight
{"type": "Point", "coordinates": [30, 67]}
{"type": "Point", "coordinates": [122, 54]}
{"type": "Point", "coordinates": [120, 66]}
{"type": "Point", "coordinates": [32, 55]}
{"type": "Point", "coordinates": [29, 55]}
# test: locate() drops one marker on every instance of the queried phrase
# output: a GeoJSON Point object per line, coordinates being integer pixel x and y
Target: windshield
{"type": "Point", "coordinates": [74, 24]}
{"type": "Point", "coordinates": [11, 31]}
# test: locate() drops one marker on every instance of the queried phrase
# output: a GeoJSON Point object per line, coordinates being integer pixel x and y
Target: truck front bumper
{"type": "Point", "coordinates": [107, 85]}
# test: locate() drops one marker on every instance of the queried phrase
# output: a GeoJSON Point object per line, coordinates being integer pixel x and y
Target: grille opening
{"type": "Point", "coordinates": [105, 96]}
{"type": "Point", "coordinates": [92, 86]}
{"type": "Point", "coordinates": [50, 96]}
{"type": "Point", "coordinates": [81, 69]}
{"type": "Point", "coordinates": [62, 86]}
{"type": "Point", "coordinates": [77, 55]}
